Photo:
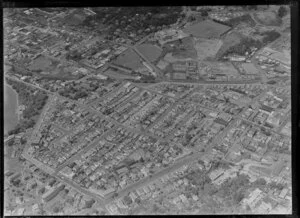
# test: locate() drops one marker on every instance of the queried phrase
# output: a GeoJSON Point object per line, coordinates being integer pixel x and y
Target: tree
{"type": "Point", "coordinates": [204, 13]}
{"type": "Point", "coordinates": [127, 200]}
{"type": "Point", "coordinates": [89, 204]}
{"type": "Point", "coordinates": [260, 182]}
{"type": "Point", "coordinates": [238, 196]}
{"type": "Point", "coordinates": [137, 200]}
{"type": "Point", "coordinates": [115, 195]}
{"type": "Point", "coordinates": [11, 142]}
{"type": "Point", "coordinates": [282, 12]}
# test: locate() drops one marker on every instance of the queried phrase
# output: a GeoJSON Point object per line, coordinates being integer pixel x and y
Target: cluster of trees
{"type": "Point", "coordinates": [34, 107]}
{"type": "Point", "coordinates": [34, 103]}
{"type": "Point", "coordinates": [275, 185]}
{"type": "Point", "coordinates": [250, 7]}
{"type": "Point", "coordinates": [198, 178]}
{"type": "Point", "coordinates": [136, 20]}
{"type": "Point", "coordinates": [76, 92]}
{"type": "Point", "coordinates": [270, 36]}
{"type": "Point", "coordinates": [73, 55]}
{"type": "Point", "coordinates": [215, 164]}
{"type": "Point", "coordinates": [282, 11]}
{"type": "Point", "coordinates": [246, 18]}
{"type": "Point", "coordinates": [234, 189]}
{"type": "Point", "coordinates": [243, 46]}
{"type": "Point", "coordinates": [22, 126]}
{"type": "Point", "coordinates": [147, 79]}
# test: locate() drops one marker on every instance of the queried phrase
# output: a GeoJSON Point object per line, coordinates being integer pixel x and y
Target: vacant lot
{"type": "Point", "coordinates": [51, 69]}
{"type": "Point", "coordinates": [76, 18]}
{"type": "Point", "coordinates": [162, 64]}
{"type": "Point", "coordinates": [181, 49]}
{"type": "Point", "coordinates": [221, 68]}
{"type": "Point", "coordinates": [207, 48]}
{"type": "Point", "coordinates": [268, 18]}
{"type": "Point", "coordinates": [151, 52]}
{"type": "Point", "coordinates": [230, 40]}
{"type": "Point", "coordinates": [250, 68]}
{"type": "Point", "coordinates": [118, 74]}
{"type": "Point", "coordinates": [283, 43]}
{"type": "Point", "coordinates": [283, 57]}
{"type": "Point", "coordinates": [262, 170]}
{"type": "Point", "coordinates": [206, 29]}
{"type": "Point", "coordinates": [129, 59]}
{"type": "Point", "coordinates": [43, 64]}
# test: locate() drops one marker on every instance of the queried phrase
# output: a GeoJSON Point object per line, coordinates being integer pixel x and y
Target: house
{"type": "Point", "coordinates": [283, 193]}
{"type": "Point", "coordinates": [253, 198]}
{"type": "Point", "coordinates": [266, 108]}
{"type": "Point", "coordinates": [179, 76]}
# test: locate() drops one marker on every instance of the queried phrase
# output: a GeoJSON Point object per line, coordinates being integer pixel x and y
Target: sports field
{"type": "Point", "coordinates": [151, 52]}
{"type": "Point", "coordinates": [206, 29]}
{"type": "Point", "coordinates": [129, 59]}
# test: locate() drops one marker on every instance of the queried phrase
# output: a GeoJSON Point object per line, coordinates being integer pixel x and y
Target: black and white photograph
{"type": "Point", "coordinates": [143, 110]}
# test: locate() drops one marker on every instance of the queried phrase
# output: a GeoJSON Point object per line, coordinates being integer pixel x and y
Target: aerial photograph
{"type": "Point", "coordinates": [170, 110]}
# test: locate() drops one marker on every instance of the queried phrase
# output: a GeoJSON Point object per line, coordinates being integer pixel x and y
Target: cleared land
{"type": "Point", "coordinates": [43, 64]}
{"type": "Point", "coordinates": [129, 59]}
{"type": "Point", "coordinates": [151, 52]}
{"type": "Point", "coordinates": [180, 49]}
{"type": "Point", "coordinates": [52, 70]}
{"type": "Point", "coordinates": [206, 29]}
{"type": "Point", "coordinates": [230, 40]}
{"type": "Point", "coordinates": [171, 59]}
{"type": "Point", "coordinates": [221, 68]}
{"type": "Point", "coordinates": [250, 68]}
{"type": "Point", "coordinates": [117, 74]}
{"type": "Point", "coordinates": [268, 18]}
{"type": "Point", "coordinates": [283, 43]}
{"type": "Point", "coordinates": [283, 57]}
{"type": "Point", "coordinates": [162, 64]}
{"type": "Point", "coordinates": [207, 48]}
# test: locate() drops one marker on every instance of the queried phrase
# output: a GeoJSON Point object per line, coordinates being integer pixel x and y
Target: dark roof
{"type": "Point", "coordinates": [221, 121]}
{"type": "Point", "coordinates": [266, 108]}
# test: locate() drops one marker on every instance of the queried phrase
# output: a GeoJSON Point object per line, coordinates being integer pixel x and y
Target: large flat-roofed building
{"type": "Point", "coordinates": [52, 193]}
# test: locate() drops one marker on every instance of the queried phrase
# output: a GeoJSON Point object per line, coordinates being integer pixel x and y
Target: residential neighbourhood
{"type": "Point", "coordinates": [148, 110]}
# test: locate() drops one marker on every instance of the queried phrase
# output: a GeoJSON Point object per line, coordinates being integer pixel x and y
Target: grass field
{"type": "Point", "coordinates": [284, 57]}
{"type": "Point", "coordinates": [162, 64]}
{"type": "Point", "coordinates": [181, 49]}
{"type": "Point", "coordinates": [224, 68]}
{"type": "Point", "coordinates": [250, 68]}
{"type": "Point", "coordinates": [117, 74]}
{"type": "Point", "coordinates": [129, 59]}
{"type": "Point", "coordinates": [268, 18]}
{"type": "Point", "coordinates": [151, 52]}
{"type": "Point", "coordinates": [206, 29]}
{"type": "Point", "coordinates": [207, 48]}
{"type": "Point", "coordinates": [43, 64]}
{"type": "Point", "coordinates": [230, 40]}
{"type": "Point", "coordinates": [261, 170]}
{"type": "Point", "coordinates": [51, 69]}
{"type": "Point", "coordinates": [75, 18]}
